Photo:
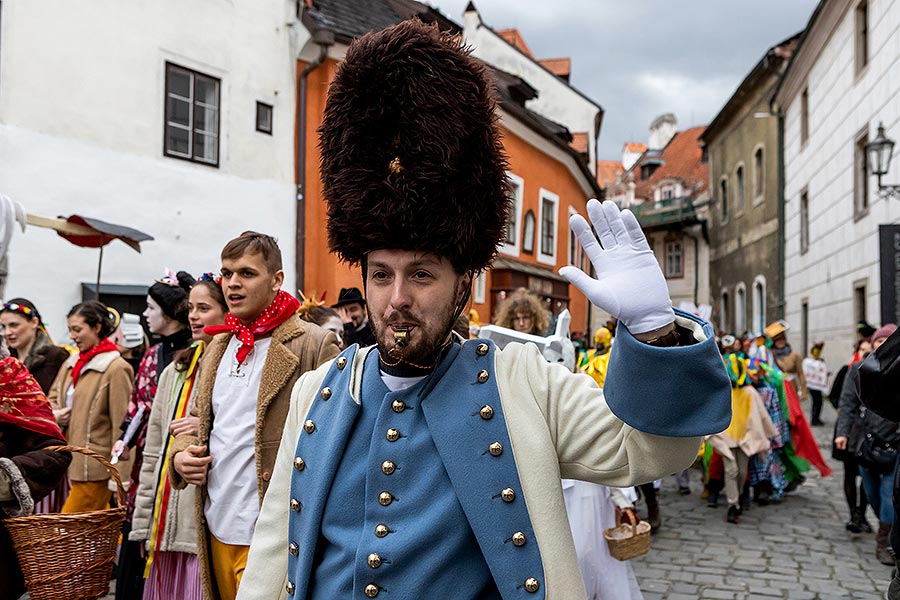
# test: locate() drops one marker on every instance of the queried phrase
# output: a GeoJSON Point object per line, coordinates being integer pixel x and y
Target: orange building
{"type": "Point", "coordinates": [548, 169]}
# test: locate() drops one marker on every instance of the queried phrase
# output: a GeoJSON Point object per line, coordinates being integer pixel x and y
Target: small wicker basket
{"type": "Point", "coordinates": [69, 556]}
{"type": "Point", "coordinates": [626, 541]}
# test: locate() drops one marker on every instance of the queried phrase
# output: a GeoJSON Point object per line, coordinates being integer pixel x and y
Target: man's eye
{"type": "Point", "coordinates": [422, 275]}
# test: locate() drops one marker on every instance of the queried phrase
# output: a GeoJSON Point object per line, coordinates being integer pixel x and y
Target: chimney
{"type": "Point", "coordinates": [662, 130]}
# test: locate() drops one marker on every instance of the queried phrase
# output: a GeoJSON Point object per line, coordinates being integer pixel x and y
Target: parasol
{"type": "Point", "coordinates": [88, 232]}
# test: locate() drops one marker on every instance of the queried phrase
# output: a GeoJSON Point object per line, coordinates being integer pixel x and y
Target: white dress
{"type": "Point", "coordinates": [592, 509]}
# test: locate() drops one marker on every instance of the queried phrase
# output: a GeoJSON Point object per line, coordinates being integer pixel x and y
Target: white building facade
{"type": "Point", "coordinates": [841, 84]}
{"type": "Point", "coordinates": [174, 118]}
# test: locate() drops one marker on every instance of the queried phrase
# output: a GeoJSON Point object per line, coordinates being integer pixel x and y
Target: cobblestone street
{"type": "Point", "coordinates": [798, 549]}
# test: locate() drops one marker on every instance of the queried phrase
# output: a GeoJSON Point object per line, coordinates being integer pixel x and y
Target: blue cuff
{"type": "Point", "coordinates": [680, 391]}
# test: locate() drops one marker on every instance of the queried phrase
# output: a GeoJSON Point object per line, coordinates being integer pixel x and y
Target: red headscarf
{"type": "Point", "coordinates": [105, 345]}
{"type": "Point", "coordinates": [22, 402]}
{"type": "Point", "coordinates": [283, 306]}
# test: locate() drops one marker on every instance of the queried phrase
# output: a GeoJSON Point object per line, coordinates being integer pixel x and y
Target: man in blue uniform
{"type": "Point", "coordinates": [428, 467]}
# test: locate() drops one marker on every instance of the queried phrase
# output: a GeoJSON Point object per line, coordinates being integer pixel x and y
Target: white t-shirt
{"type": "Point", "coordinates": [232, 503]}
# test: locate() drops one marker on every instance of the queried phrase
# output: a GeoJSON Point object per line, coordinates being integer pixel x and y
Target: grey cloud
{"type": "Point", "coordinates": [641, 58]}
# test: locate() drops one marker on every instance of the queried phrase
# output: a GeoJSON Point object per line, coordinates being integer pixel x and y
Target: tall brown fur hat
{"type": "Point", "coordinates": [411, 151]}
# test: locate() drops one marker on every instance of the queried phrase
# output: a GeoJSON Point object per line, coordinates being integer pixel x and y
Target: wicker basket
{"type": "Point", "coordinates": [69, 556]}
{"type": "Point", "coordinates": [626, 541]}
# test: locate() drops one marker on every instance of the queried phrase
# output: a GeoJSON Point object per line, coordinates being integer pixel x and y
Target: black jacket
{"type": "Point", "coordinates": [879, 379]}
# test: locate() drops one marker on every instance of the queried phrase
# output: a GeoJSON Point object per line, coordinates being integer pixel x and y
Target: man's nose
{"type": "Point", "coordinates": [400, 297]}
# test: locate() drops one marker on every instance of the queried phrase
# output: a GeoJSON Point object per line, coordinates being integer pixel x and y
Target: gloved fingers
{"type": "Point", "coordinates": [638, 239]}
{"type": "Point", "coordinates": [577, 277]}
{"type": "Point", "coordinates": [598, 219]}
{"type": "Point", "coordinates": [614, 222]}
{"type": "Point", "coordinates": [587, 238]}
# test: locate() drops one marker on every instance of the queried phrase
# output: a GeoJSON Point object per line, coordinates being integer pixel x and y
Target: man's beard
{"type": "Point", "coordinates": [422, 346]}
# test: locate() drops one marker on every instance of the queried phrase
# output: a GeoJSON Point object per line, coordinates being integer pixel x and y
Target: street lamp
{"type": "Point", "coordinates": [880, 150]}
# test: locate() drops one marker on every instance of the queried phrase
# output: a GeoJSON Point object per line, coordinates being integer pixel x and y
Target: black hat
{"type": "Point", "coordinates": [171, 293]}
{"type": "Point", "coordinates": [349, 296]}
{"type": "Point", "coordinates": [411, 150]}
{"type": "Point", "coordinates": [864, 329]}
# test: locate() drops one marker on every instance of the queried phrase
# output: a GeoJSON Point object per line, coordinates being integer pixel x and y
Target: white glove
{"type": "Point", "coordinates": [630, 285]}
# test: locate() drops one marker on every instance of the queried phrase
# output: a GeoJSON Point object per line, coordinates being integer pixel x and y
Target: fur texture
{"type": "Point", "coordinates": [411, 151]}
{"type": "Point", "coordinates": [23, 505]}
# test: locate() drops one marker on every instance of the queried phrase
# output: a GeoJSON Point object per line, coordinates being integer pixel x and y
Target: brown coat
{"type": "Point", "coordinates": [98, 407]}
{"type": "Point", "coordinates": [297, 347]}
{"type": "Point", "coordinates": [792, 365]}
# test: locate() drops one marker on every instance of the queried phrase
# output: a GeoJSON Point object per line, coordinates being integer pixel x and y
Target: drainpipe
{"type": "Point", "coordinates": [323, 38]}
{"type": "Point", "coordinates": [780, 310]}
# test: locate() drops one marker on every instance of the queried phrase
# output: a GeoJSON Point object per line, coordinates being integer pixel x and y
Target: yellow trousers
{"type": "Point", "coordinates": [228, 563]}
{"type": "Point", "coordinates": [86, 496]}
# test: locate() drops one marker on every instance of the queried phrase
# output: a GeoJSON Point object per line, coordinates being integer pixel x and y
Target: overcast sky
{"type": "Point", "coordinates": [641, 58]}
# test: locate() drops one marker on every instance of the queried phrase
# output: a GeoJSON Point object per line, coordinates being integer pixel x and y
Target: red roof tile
{"type": "Point", "coordinates": [635, 147]}
{"type": "Point", "coordinates": [579, 141]}
{"type": "Point", "coordinates": [683, 161]}
{"type": "Point", "coordinates": [515, 38]}
{"type": "Point", "coordinates": [561, 67]}
{"type": "Point", "coordinates": [607, 171]}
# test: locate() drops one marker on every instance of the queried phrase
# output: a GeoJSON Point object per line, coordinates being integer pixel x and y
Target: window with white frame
{"type": "Point", "coordinates": [513, 243]}
{"type": "Point", "coordinates": [759, 174]}
{"type": "Point", "coordinates": [724, 312]}
{"type": "Point", "coordinates": [804, 116]}
{"type": "Point", "coordinates": [860, 175]}
{"type": "Point", "coordinates": [547, 227]}
{"type": "Point", "coordinates": [674, 257]}
{"type": "Point", "coordinates": [804, 221]}
{"type": "Point", "coordinates": [528, 233]}
{"type": "Point", "coordinates": [479, 293]}
{"type": "Point", "coordinates": [192, 115]}
{"type": "Point", "coordinates": [739, 191]}
{"type": "Point", "coordinates": [862, 36]}
{"type": "Point", "coordinates": [574, 244]}
{"type": "Point", "coordinates": [759, 304]}
{"type": "Point", "coordinates": [740, 308]}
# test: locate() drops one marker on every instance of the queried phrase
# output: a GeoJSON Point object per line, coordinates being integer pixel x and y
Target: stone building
{"type": "Point", "coordinates": [745, 257]}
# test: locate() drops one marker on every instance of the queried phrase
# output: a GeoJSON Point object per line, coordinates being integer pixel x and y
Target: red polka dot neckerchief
{"type": "Point", "coordinates": [280, 310]}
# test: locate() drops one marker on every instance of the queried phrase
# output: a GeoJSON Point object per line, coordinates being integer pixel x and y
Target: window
{"type": "Point", "coordinates": [574, 245]}
{"type": "Point", "coordinates": [862, 35]}
{"type": "Point", "coordinates": [859, 301]}
{"type": "Point", "coordinates": [739, 194]}
{"type": "Point", "coordinates": [547, 233]}
{"type": "Point", "coordinates": [804, 324]}
{"type": "Point", "coordinates": [480, 288]}
{"type": "Point", "coordinates": [759, 304]}
{"type": "Point", "coordinates": [804, 221]}
{"type": "Point", "coordinates": [192, 115]}
{"type": "Point", "coordinates": [723, 199]}
{"type": "Point", "coordinates": [264, 117]}
{"type": "Point", "coordinates": [528, 234]}
{"type": "Point", "coordinates": [740, 309]}
{"type": "Point", "coordinates": [759, 175]}
{"type": "Point", "coordinates": [860, 175]}
{"type": "Point", "coordinates": [668, 192]}
{"type": "Point", "coordinates": [724, 316]}
{"type": "Point", "coordinates": [511, 245]}
{"type": "Point", "coordinates": [674, 259]}
{"type": "Point", "coordinates": [804, 116]}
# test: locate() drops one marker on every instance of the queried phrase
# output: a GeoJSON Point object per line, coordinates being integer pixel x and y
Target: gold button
{"type": "Point", "coordinates": [266, 476]}
{"type": "Point", "coordinates": [508, 495]}
{"type": "Point", "coordinates": [290, 588]}
{"type": "Point", "coordinates": [385, 498]}
{"type": "Point", "coordinates": [374, 560]}
{"type": "Point", "coordinates": [309, 426]}
{"type": "Point", "coordinates": [398, 406]}
{"type": "Point", "coordinates": [482, 376]}
{"type": "Point", "coordinates": [371, 590]}
{"type": "Point", "coordinates": [481, 349]}
{"type": "Point", "coordinates": [381, 530]}
{"type": "Point", "coordinates": [393, 435]}
{"type": "Point", "coordinates": [496, 449]}
{"type": "Point", "coordinates": [388, 467]}
{"type": "Point", "coordinates": [299, 464]}
{"type": "Point", "coordinates": [326, 393]}
{"type": "Point", "coordinates": [341, 362]}
{"type": "Point", "coordinates": [532, 585]}
{"type": "Point", "coordinates": [294, 549]}
{"type": "Point", "coordinates": [486, 412]}
{"type": "Point", "coordinates": [295, 505]}
{"type": "Point", "coordinates": [518, 538]}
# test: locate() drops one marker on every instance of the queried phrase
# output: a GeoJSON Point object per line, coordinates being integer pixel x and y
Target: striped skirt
{"type": "Point", "coordinates": [173, 575]}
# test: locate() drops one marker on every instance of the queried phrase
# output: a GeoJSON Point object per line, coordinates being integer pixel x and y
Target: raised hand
{"type": "Point", "coordinates": [630, 285]}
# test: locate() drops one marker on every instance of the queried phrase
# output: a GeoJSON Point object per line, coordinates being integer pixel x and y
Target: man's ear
{"type": "Point", "coordinates": [277, 281]}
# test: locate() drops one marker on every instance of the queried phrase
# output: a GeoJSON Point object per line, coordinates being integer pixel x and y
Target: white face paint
{"type": "Point", "coordinates": [334, 325]}
{"type": "Point", "coordinates": [156, 318]}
